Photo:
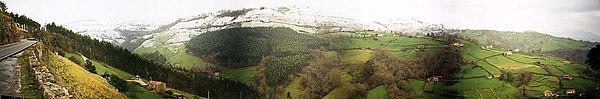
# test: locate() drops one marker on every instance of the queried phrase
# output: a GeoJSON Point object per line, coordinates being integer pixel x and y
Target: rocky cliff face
{"type": "Point", "coordinates": [9, 32]}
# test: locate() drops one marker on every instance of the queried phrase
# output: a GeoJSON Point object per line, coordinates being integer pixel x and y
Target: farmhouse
{"type": "Point", "coordinates": [548, 93]}
{"type": "Point", "coordinates": [570, 91]}
{"type": "Point", "coordinates": [507, 53]}
{"type": "Point", "coordinates": [516, 50]}
{"type": "Point", "coordinates": [489, 46]}
{"type": "Point", "coordinates": [159, 87]}
{"type": "Point", "coordinates": [457, 44]}
{"type": "Point", "coordinates": [434, 78]}
{"type": "Point", "coordinates": [568, 77]}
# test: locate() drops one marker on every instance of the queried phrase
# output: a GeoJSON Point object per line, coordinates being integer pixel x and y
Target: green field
{"type": "Point", "coordinates": [293, 89]}
{"type": "Point", "coordinates": [355, 56]}
{"type": "Point", "coordinates": [176, 58]}
{"type": "Point", "coordinates": [505, 63]}
{"type": "Point", "coordinates": [245, 74]}
{"type": "Point", "coordinates": [467, 71]}
{"type": "Point", "coordinates": [187, 61]}
{"type": "Point", "coordinates": [343, 90]}
{"type": "Point", "coordinates": [417, 86]}
{"type": "Point", "coordinates": [467, 88]}
{"type": "Point", "coordinates": [379, 92]}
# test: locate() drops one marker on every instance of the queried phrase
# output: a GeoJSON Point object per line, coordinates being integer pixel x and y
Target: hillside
{"type": "Point", "coordinates": [83, 83]}
{"type": "Point", "coordinates": [531, 42]}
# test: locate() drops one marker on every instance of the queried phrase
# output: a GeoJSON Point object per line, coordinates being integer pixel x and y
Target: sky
{"type": "Point", "coordinates": [506, 15]}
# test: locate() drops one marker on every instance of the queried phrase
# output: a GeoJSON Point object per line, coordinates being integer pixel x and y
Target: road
{"type": "Point", "coordinates": [6, 51]}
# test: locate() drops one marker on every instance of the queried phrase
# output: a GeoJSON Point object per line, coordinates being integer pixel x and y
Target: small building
{"type": "Point", "coordinates": [457, 44]}
{"type": "Point", "coordinates": [570, 91]}
{"type": "Point", "coordinates": [434, 78]}
{"type": "Point", "coordinates": [137, 77]}
{"type": "Point", "coordinates": [516, 50]}
{"type": "Point", "coordinates": [159, 87]}
{"type": "Point", "coordinates": [568, 77]}
{"type": "Point", "coordinates": [507, 53]}
{"type": "Point", "coordinates": [489, 46]}
{"type": "Point", "coordinates": [548, 93]}
{"type": "Point", "coordinates": [421, 47]}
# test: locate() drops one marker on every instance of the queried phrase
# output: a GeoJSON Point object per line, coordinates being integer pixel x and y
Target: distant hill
{"type": "Point", "coordinates": [578, 35]}
{"type": "Point", "coordinates": [531, 42]}
{"type": "Point", "coordinates": [140, 34]}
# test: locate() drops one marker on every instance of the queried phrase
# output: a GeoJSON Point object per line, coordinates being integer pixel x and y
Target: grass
{"type": "Point", "coordinates": [187, 61]}
{"type": "Point", "coordinates": [343, 90]}
{"type": "Point", "coordinates": [245, 74]}
{"type": "Point", "coordinates": [79, 80]}
{"type": "Point", "coordinates": [101, 68]}
{"type": "Point", "coordinates": [355, 56]}
{"type": "Point", "coordinates": [175, 55]}
{"type": "Point", "coordinates": [401, 45]}
{"type": "Point", "coordinates": [379, 92]}
{"type": "Point", "coordinates": [471, 71]}
{"type": "Point", "coordinates": [555, 71]}
{"type": "Point", "coordinates": [467, 88]}
{"type": "Point", "coordinates": [572, 69]}
{"type": "Point", "coordinates": [489, 67]}
{"type": "Point", "coordinates": [480, 54]}
{"type": "Point", "coordinates": [135, 91]}
{"type": "Point", "coordinates": [540, 83]}
{"type": "Point", "coordinates": [293, 89]}
{"type": "Point", "coordinates": [536, 69]}
{"type": "Point", "coordinates": [503, 62]}
{"type": "Point", "coordinates": [417, 86]}
{"type": "Point", "coordinates": [76, 56]}
{"type": "Point", "coordinates": [580, 84]}
{"type": "Point", "coordinates": [525, 58]}
{"type": "Point", "coordinates": [138, 92]}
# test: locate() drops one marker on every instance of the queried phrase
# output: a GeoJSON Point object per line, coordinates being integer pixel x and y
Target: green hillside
{"type": "Point", "coordinates": [531, 42]}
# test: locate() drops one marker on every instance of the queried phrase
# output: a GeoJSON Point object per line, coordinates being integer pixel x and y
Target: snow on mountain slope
{"type": "Point", "coordinates": [97, 30]}
{"type": "Point", "coordinates": [125, 34]}
{"type": "Point", "coordinates": [140, 35]}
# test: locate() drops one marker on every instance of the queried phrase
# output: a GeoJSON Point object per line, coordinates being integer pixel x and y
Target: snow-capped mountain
{"type": "Point", "coordinates": [303, 20]}
{"type": "Point", "coordinates": [124, 34]}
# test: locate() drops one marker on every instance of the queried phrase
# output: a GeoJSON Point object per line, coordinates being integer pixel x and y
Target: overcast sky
{"type": "Point", "coordinates": [510, 15]}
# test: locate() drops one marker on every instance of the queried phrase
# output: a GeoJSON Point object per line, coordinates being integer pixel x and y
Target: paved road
{"type": "Point", "coordinates": [6, 51]}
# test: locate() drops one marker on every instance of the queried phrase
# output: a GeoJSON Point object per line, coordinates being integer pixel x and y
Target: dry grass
{"type": "Point", "coordinates": [81, 83]}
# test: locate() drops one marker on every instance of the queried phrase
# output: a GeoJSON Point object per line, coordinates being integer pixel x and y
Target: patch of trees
{"type": "Point", "coordinates": [59, 38]}
{"type": "Point", "coordinates": [238, 47]}
{"type": "Point", "coordinates": [386, 69]}
{"type": "Point", "coordinates": [116, 82]}
{"type": "Point", "coordinates": [90, 67]}
{"type": "Point", "coordinates": [521, 81]}
{"type": "Point", "coordinates": [442, 62]}
{"type": "Point", "coordinates": [593, 58]}
{"type": "Point", "coordinates": [234, 13]}
{"type": "Point", "coordinates": [278, 52]}
{"type": "Point", "coordinates": [321, 76]}
{"type": "Point", "coordinates": [573, 55]}
{"type": "Point", "coordinates": [156, 57]}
